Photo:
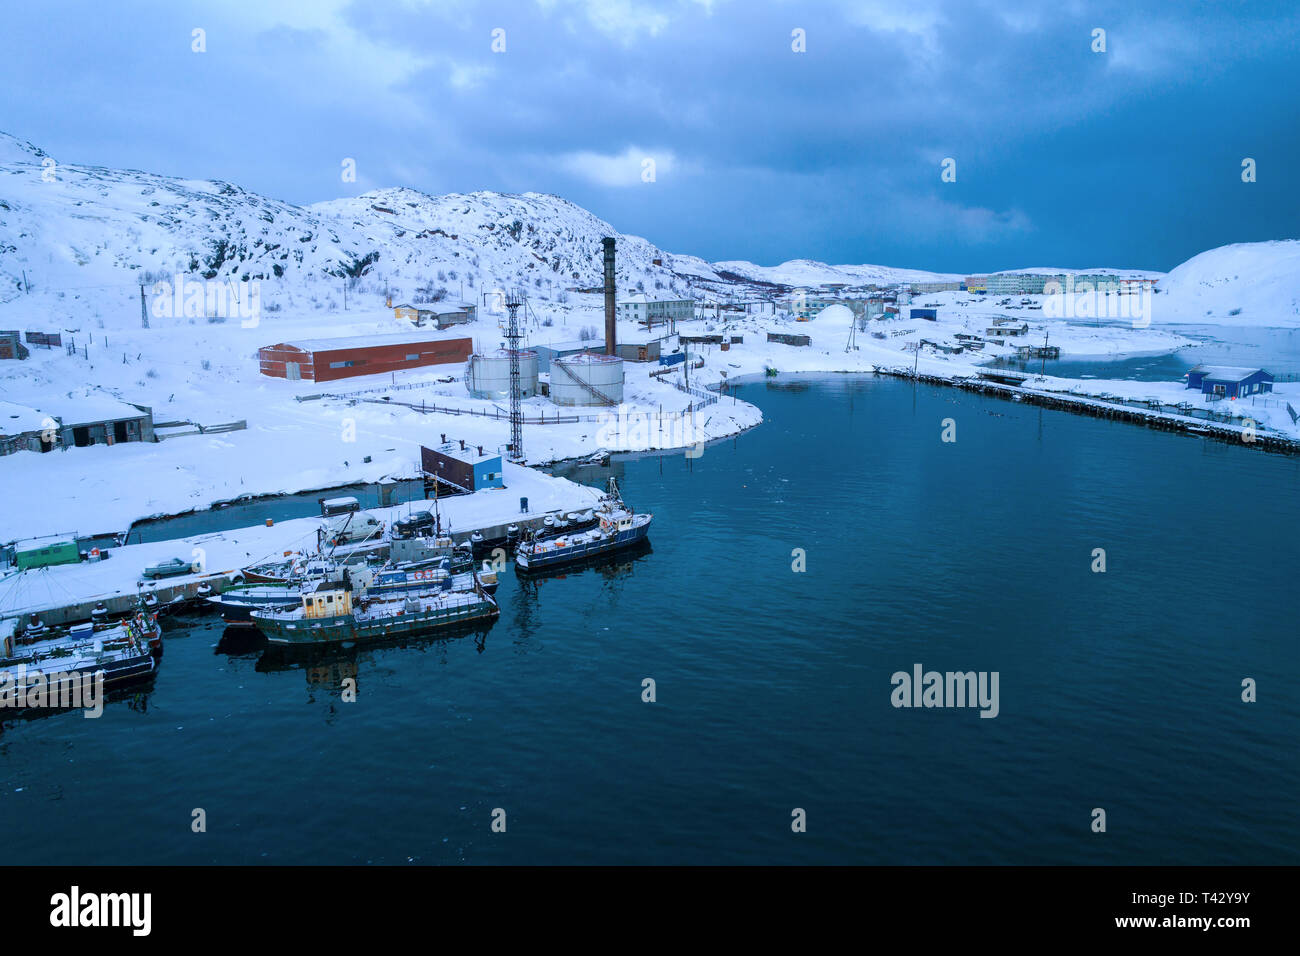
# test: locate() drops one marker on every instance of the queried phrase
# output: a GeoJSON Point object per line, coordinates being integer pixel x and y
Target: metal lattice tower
{"type": "Point", "coordinates": [513, 335]}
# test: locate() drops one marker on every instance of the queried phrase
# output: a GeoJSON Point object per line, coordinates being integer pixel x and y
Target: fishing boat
{"type": "Point", "coordinates": [392, 579]}
{"type": "Point", "coordinates": [612, 527]}
{"type": "Point", "coordinates": [49, 667]}
{"type": "Point", "coordinates": [332, 614]}
{"type": "Point", "coordinates": [238, 602]}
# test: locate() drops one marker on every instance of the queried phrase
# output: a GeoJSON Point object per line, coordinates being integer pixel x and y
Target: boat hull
{"type": "Point", "coordinates": [527, 562]}
{"type": "Point", "coordinates": [301, 632]}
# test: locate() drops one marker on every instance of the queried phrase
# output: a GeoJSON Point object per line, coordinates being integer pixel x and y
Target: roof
{"type": "Point", "coordinates": [1225, 373]}
{"type": "Point", "coordinates": [588, 358]}
{"type": "Point", "coordinates": [42, 543]}
{"type": "Point", "coordinates": [569, 346]}
{"type": "Point", "coordinates": [92, 409]}
{"type": "Point", "coordinates": [641, 298]}
{"type": "Point", "coordinates": [361, 341]}
{"type": "Point", "coordinates": [469, 455]}
{"type": "Point", "coordinates": [16, 419]}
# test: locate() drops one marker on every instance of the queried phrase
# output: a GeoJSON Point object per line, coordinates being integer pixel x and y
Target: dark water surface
{"type": "Point", "coordinates": [1119, 690]}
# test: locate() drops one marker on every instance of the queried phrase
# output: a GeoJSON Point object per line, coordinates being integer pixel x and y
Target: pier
{"type": "Point", "coordinates": [1011, 387]}
{"type": "Point", "coordinates": [69, 592]}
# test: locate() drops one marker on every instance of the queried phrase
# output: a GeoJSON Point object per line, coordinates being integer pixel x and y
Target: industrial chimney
{"type": "Point", "coordinates": [610, 305]}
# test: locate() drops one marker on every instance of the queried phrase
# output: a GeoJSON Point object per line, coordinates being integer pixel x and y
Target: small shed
{"type": "Point", "coordinates": [101, 420]}
{"type": "Point", "coordinates": [1003, 331]}
{"type": "Point", "coordinates": [1227, 381]}
{"type": "Point", "coordinates": [11, 345]}
{"type": "Point", "coordinates": [465, 468]}
{"type": "Point", "coordinates": [784, 339]}
{"type": "Point", "coordinates": [26, 429]}
{"type": "Point", "coordinates": [439, 314]}
{"type": "Point", "coordinates": [46, 553]}
{"type": "Point", "coordinates": [638, 351]}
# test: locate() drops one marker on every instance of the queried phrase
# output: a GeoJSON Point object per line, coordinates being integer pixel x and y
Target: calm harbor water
{"type": "Point", "coordinates": [1119, 690]}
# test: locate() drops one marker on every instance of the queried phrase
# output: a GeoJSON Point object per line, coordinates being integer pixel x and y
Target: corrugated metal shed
{"type": "Point", "coordinates": [324, 360]}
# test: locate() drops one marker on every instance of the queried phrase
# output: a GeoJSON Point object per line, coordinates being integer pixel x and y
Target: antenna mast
{"type": "Point", "coordinates": [513, 335]}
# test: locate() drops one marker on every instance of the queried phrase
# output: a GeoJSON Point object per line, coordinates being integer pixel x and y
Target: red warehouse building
{"type": "Point", "coordinates": [323, 360]}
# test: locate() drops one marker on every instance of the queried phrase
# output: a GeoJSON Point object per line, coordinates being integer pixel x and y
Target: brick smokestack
{"type": "Point", "coordinates": [610, 305]}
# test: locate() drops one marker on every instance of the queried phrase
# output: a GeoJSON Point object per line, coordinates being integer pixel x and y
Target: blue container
{"type": "Point", "coordinates": [672, 359]}
{"type": "Point", "coordinates": [523, 505]}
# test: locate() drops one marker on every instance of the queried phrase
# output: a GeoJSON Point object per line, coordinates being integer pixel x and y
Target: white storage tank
{"type": "Point", "coordinates": [587, 378]}
{"type": "Point", "coordinates": [488, 375]}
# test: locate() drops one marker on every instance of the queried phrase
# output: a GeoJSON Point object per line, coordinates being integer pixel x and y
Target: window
{"type": "Point", "coordinates": [413, 358]}
{"type": "Point", "coordinates": [341, 364]}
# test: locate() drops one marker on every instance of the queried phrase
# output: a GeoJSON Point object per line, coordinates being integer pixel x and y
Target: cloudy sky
{"type": "Point", "coordinates": [1064, 156]}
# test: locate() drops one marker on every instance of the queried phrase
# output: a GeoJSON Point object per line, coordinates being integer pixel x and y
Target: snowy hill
{"type": "Point", "coordinates": [15, 150]}
{"type": "Point", "coordinates": [89, 229]}
{"type": "Point", "coordinates": [806, 272]}
{"type": "Point", "coordinates": [1258, 281]}
{"type": "Point", "coordinates": [80, 227]}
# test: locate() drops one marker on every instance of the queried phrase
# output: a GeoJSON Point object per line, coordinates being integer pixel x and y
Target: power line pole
{"type": "Point", "coordinates": [144, 312]}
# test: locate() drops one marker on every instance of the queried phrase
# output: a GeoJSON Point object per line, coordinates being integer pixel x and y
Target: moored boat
{"type": "Point", "coordinates": [612, 526]}
{"type": "Point", "coordinates": [331, 614]}
{"type": "Point", "coordinates": [47, 673]}
{"type": "Point", "coordinates": [238, 602]}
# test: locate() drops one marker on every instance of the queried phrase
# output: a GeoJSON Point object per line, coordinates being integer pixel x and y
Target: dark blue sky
{"type": "Point", "coordinates": [1064, 157]}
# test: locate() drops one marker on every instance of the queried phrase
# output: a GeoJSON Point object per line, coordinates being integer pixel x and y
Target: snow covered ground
{"type": "Point", "coordinates": [78, 242]}
{"type": "Point", "coordinates": [208, 373]}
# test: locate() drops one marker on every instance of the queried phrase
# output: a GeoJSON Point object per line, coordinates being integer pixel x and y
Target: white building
{"type": "Point", "coordinates": [652, 311]}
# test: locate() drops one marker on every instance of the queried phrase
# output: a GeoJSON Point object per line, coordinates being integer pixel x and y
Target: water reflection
{"type": "Point", "coordinates": [327, 666]}
{"type": "Point", "coordinates": [135, 696]}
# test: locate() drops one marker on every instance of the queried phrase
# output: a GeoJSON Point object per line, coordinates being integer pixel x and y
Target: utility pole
{"type": "Point", "coordinates": [1042, 369]}
{"type": "Point", "coordinates": [144, 312]}
{"type": "Point", "coordinates": [27, 289]}
{"type": "Point", "coordinates": [345, 293]}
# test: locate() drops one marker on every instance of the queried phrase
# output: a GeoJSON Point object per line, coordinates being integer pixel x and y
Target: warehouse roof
{"type": "Point", "coordinates": [362, 341]}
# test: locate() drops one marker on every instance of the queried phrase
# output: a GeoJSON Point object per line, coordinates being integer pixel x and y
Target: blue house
{"type": "Point", "coordinates": [464, 469]}
{"type": "Point", "coordinates": [1226, 381]}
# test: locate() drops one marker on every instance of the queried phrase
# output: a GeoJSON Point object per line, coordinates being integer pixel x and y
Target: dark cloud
{"type": "Point", "coordinates": [1064, 156]}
